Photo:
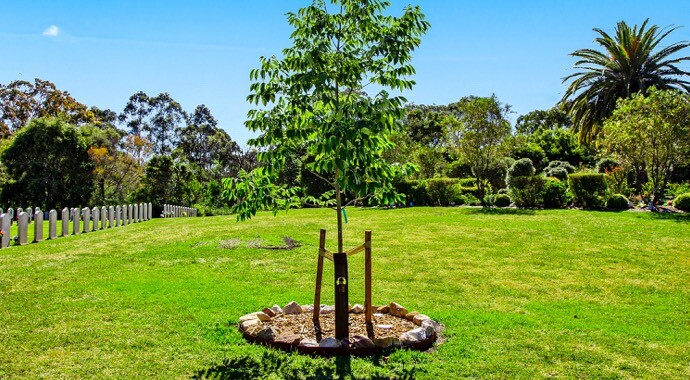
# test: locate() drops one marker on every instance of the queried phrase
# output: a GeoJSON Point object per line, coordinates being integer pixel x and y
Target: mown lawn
{"type": "Point", "coordinates": [522, 294]}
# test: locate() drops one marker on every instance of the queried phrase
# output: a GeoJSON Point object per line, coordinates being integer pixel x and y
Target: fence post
{"type": "Point", "coordinates": [118, 211]}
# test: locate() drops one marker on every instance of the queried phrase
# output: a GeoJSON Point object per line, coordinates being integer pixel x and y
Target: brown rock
{"type": "Point", "coordinates": [269, 312]}
{"type": "Point", "coordinates": [419, 318]}
{"type": "Point", "coordinates": [326, 309]}
{"type": "Point", "coordinates": [247, 317]}
{"type": "Point", "coordinates": [248, 324]}
{"type": "Point", "coordinates": [277, 310]}
{"type": "Point", "coordinates": [267, 333]}
{"type": "Point", "coordinates": [410, 316]}
{"type": "Point", "coordinates": [397, 310]}
{"type": "Point", "coordinates": [361, 341]}
{"type": "Point", "coordinates": [308, 308]}
{"type": "Point", "coordinates": [382, 309]}
{"type": "Point", "coordinates": [293, 308]}
{"type": "Point", "coordinates": [292, 339]}
{"type": "Point", "coordinates": [357, 309]}
{"type": "Point", "coordinates": [263, 317]}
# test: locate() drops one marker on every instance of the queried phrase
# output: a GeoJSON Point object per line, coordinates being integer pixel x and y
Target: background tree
{"type": "Point", "coordinates": [21, 101]}
{"type": "Point", "coordinates": [314, 101]}
{"type": "Point", "coordinates": [651, 133]}
{"type": "Point", "coordinates": [630, 63]}
{"type": "Point", "coordinates": [166, 115]}
{"type": "Point", "coordinates": [480, 136]}
{"type": "Point", "coordinates": [537, 120]}
{"type": "Point", "coordinates": [48, 166]}
{"type": "Point", "coordinates": [135, 116]}
{"type": "Point", "coordinates": [167, 181]}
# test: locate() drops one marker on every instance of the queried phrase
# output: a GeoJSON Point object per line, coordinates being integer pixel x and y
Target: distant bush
{"type": "Point", "coordinates": [441, 191]}
{"type": "Point", "coordinates": [555, 193]}
{"type": "Point", "coordinates": [559, 169]}
{"type": "Point", "coordinates": [607, 164]}
{"type": "Point", "coordinates": [534, 152]}
{"type": "Point", "coordinates": [458, 169]}
{"type": "Point", "coordinates": [527, 191]}
{"type": "Point", "coordinates": [588, 189]}
{"type": "Point", "coordinates": [676, 189]}
{"type": "Point", "coordinates": [682, 202]}
{"type": "Point", "coordinates": [520, 168]}
{"type": "Point", "coordinates": [501, 200]}
{"type": "Point", "coordinates": [617, 202]}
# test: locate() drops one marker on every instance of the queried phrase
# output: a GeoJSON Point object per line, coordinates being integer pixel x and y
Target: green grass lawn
{"type": "Point", "coordinates": [522, 294]}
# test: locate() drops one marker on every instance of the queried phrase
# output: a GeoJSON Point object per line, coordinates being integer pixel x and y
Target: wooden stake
{"type": "Point", "coordinates": [319, 277]}
{"type": "Point", "coordinates": [367, 277]}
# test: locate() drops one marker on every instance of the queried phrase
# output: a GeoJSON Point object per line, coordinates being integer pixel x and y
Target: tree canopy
{"type": "Point", "coordinates": [631, 61]}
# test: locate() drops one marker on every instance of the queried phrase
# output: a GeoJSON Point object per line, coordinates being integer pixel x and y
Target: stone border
{"type": "Point", "coordinates": [255, 327]}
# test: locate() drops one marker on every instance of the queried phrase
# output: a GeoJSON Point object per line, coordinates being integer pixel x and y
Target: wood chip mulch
{"type": "Point", "coordinates": [302, 325]}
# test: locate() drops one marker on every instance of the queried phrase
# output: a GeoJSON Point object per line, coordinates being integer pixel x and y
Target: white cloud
{"type": "Point", "coordinates": [51, 31]}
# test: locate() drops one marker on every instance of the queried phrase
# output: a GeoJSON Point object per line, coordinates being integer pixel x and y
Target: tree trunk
{"type": "Point", "coordinates": [340, 274]}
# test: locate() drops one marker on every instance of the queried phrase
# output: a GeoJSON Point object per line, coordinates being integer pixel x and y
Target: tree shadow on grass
{"type": "Point", "coordinates": [294, 366]}
{"type": "Point", "coordinates": [501, 211]}
{"type": "Point", "coordinates": [678, 217]}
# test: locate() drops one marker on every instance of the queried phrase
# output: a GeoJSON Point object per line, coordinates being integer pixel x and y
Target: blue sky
{"type": "Point", "coordinates": [202, 51]}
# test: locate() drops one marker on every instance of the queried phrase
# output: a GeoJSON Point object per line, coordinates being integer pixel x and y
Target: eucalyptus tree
{"type": "Point", "coordinates": [313, 99]}
{"type": "Point", "coordinates": [631, 61]}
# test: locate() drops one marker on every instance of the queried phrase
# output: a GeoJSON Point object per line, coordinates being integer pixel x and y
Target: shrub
{"type": "Point", "coordinates": [527, 191]}
{"type": "Point", "coordinates": [588, 189]}
{"type": "Point", "coordinates": [617, 202]}
{"type": "Point", "coordinates": [682, 202]}
{"type": "Point", "coordinates": [415, 191]}
{"type": "Point", "coordinates": [559, 169]}
{"type": "Point", "coordinates": [607, 164]}
{"type": "Point", "coordinates": [441, 191]}
{"type": "Point", "coordinates": [458, 169]}
{"type": "Point", "coordinates": [418, 193]}
{"type": "Point", "coordinates": [501, 200]}
{"type": "Point", "coordinates": [467, 186]}
{"type": "Point", "coordinates": [520, 168]}
{"type": "Point", "coordinates": [555, 193]}
{"type": "Point", "coordinates": [534, 152]}
{"type": "Point", "coordinates": [677, 189]}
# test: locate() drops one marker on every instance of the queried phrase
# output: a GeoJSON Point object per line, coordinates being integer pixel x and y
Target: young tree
{"type": "Point", "coordinates": [313, 99]}
{"type": "Point", "coordinates": [651, 133]}
{"type": "Point", "coordinates": [479, 136]}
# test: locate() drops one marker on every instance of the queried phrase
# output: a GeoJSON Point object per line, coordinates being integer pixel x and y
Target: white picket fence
{"type": "Point", "coordinates": [94, 219]}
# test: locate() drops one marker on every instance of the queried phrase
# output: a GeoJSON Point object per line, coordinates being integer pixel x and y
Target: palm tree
{"type": "Point", "coordinates": [628, 65]}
